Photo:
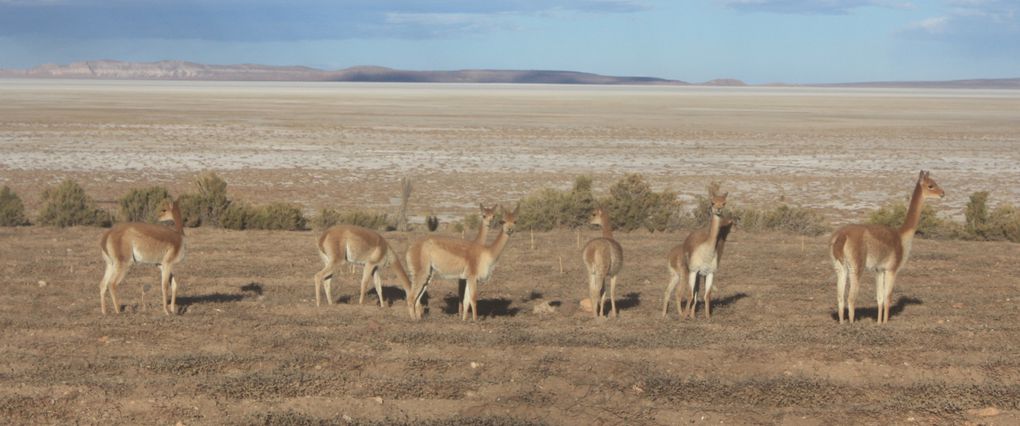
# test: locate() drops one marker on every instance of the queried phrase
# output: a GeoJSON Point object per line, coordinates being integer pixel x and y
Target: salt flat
{"type": "Point", "coordinates": [346, 145]}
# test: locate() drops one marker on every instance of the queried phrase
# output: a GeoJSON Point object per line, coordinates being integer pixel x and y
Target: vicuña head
{"type": "Point", "coordinates": [718, 203]}
{"type": "Point", "coordinates": [929, 189]}
{"type": "Point", "coordinates": [598, 216]}
{"type": "Point", "coordinates": [509, 220]}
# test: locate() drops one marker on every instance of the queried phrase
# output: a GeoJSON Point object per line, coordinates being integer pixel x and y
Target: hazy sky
{"type": "Point", "coordinates": [757, 41]}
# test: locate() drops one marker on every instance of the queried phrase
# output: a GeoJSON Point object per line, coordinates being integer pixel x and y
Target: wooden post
{"type": "Point", "coordinates": [561, 265]}
{"type": "Point", "coordinates": [532, 239]}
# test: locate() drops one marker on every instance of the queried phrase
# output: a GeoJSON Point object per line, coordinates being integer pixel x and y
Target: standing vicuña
{"type": "Point", "coordinates": [699, 254]}
{"type": "Point", "coordinates": [603, 258]}
{"type": "Point", "coordinates": [453, 258]}
{"type": "Point", "coordinates": [881, 249]}
{"type": "Point", "coordinates": [128, 243]}
{"type": "Point", "coordinates": [361, 246]}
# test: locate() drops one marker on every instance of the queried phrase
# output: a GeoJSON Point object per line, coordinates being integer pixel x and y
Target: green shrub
{"type": "Point", "coordinates": [365, 219]}
{"type": "Point", "coordinates": [326, 218]}
{"type": "Point", "coordinates": [67, 205]}
{"type": "Point", "coordinates": [550, 208]}
{"type": "Point", "coordinates": [12, 210]}
{"type": "Point", "coordinates": [238, 216]}
{"type": "Point", "coordinates": [1004, 223]}
{"type": "Point", "coordinates": [540, 212]}
{"type": "Point", "coordinates": [277, 216]}
{"type": "Point", "coordinates": [191, 209]}
{"type": "Point", "coordinates": [209, 204]}
{"type": "Point", "coordinates": [472, 221]}
{"type": "Point", "coordinates": [632, 204]}
{"type": "Point", "coordinates": [785, 218]}
{"type": "Point", "coordinates": [142, 205]}
{"type": "Point", "coordinates": [895, 213]}
{"type": "Point", "coordinates": [976, 215]}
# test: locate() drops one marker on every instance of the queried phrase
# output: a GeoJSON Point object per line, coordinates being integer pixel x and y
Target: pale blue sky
{"type": "Point", "coordinates": [758, 41]}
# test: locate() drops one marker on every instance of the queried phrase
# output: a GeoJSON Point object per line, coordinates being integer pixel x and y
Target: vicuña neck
{"type": "Point", "coordinates": [497, 246]}
{"type": "Point", "coordinates": [909, 226]}
{"type": "Point", "coordinates": [178, 220]}
{"type": "Point", "coordinates": [399, 268]}
{"type": "Point", "coordinates": [713, 228]}
{"type": "Point", "coordinates": [607, 229]}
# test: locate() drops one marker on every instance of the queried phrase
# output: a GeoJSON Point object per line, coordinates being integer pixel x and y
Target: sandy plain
{"type": "Point", "coordinates": [250, 347]}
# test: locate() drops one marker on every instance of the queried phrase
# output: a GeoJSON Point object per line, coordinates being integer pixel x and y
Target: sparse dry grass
{"type": "Point", "coordinates": [772, 350]}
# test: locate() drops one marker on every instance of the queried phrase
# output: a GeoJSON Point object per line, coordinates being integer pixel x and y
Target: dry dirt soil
{"type": "Point", "coordinates": [251, 347]}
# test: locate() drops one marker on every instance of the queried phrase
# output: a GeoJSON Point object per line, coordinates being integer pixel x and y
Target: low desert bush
{"type": "Point", "coordinates": [325, 219]}
{"type": "Point", "coordinates": [209, 204]}
{"type": "Point", "coordinates": [278, 216]}
{"type": "Point", "coordinates": [12, 210]}
{"type": "Point", "coordinates": [783, 218]}
{"type": "Point", "coordinates": [238, 216]}
{"type": "Point", "coordinates": [142, 205]}
{"type": "Point", "coordinates": [1002, 223]}
{"type": "Point", "coordinates": [273, 216]}
{"type": "Point", "coordinates": [550, 208]}
{"type": "Point", "coordinates": [364, 219]}
{"type": "Point", "coordinates": [67, 205]}
{"type": "Point", "coordinates": [632, 204]}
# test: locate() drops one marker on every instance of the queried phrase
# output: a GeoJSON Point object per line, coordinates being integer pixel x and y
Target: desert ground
{"type": "Point", "coordinates": [250, 347]}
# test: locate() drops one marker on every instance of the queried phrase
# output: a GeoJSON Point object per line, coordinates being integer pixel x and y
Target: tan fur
{"type": "Point", "coordinates": [452, 258]}
{"type": "Point", "coordinates": [361, 246]}
{"type": "Point", "coordinates": [603, 258]}
{"type": "Point", "coordinates": [487, 215]}
{"type": "Point", "coordinates": [128, 243]}
{"type": "Point", "coordinates": [699, 254]}
{"type": "Point", "coordinates": [880, 249]}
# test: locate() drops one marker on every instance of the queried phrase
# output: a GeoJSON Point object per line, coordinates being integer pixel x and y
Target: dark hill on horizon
{"type": "Point", "coordinates": [182, 70]}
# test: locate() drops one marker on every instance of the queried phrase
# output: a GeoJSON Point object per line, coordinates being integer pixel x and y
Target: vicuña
{"type": "Point", "coordinates": [880, 249]}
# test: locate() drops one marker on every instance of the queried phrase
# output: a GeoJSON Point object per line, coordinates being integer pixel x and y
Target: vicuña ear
{"type": "Point", "coordinates": [517, 209]}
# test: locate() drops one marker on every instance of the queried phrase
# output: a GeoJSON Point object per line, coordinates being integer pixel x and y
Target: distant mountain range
{"type": "Point", "coordinates": [182, 70]}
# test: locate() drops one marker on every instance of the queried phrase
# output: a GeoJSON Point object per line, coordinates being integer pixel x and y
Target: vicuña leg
{"type": "Point", "coordinates": [612, 294]}
{"type": "Point", "coordinates": [841, 275]}
{"type": "Point", "coordinates": [366, 276]}
{"type": "Point", "coordinates": [165, 286]}
{"type": "Point", "coordinates": [692, 301]}
{"type": "Point", "coordinates": [890, 281]}
{"type": "Point", "coordinates": [118, 276]}
{"type": "Point", "coordinates": [377, 277]}
{"type": "Point", "coordinates": [173, 293]}
{"type": "Point", "coordinates": [104, 285]}
{"type": "Point", "coordinates": [674, 278]}
{"type": "Point", "coordinates": [708, 295]}
{"type": "Point", "coordinates": [851, 298]}
{"type": "Point", "coordinates": [325, 274]}
{"type": "Point", "coordinates": [594, 293]}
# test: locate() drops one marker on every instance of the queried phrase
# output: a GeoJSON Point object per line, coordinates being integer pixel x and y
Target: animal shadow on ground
{"type": "Point", "coordinates": [391, 293]}
{"type": "Point", "coordinates": [872, 312]}
{"type": "Point", "coordinates": [252, 289]}
{"type": "Point", "coordinates": [727, 301]}
{"type": "Point", "coordinates": [499, 307]}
